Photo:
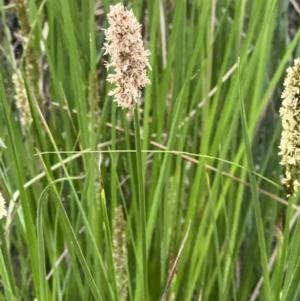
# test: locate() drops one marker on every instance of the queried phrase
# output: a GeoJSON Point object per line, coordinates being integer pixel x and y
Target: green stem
{"type": "Point", "coordinates": [141, 193]}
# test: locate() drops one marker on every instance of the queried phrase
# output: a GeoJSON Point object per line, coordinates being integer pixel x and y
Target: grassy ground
{"type": "Point", "coordinates": [216, 221]}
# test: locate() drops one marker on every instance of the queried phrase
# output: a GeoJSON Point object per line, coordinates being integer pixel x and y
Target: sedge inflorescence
{"type": "Point", "coordinates": [22, 102]}
{"type": "Point", "coordinates": [120, 253]}
{"type": "Point", "coordinates": [3, 211]}
{"type": "Point", "coordinates": [128, 57]}
{"type": "Point", "coordinates": [30, 54]}
{"type": "Point", "coordinates": [290, 139]}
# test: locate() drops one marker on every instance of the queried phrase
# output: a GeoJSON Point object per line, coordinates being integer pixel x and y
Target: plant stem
{"type": "Point", "coordinates": [141, 194]}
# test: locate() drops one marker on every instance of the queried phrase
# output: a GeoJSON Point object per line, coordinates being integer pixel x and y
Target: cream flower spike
{"type": "Point", "coordinates": [129, 59]}
{"type": "Point", "coordinates": [3, 211]}
{"type": "Point", "coordinates": [290, 138]}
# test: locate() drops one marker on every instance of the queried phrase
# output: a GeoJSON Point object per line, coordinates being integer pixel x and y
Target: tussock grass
{"type": "Point", "coordinates": [204, 215]}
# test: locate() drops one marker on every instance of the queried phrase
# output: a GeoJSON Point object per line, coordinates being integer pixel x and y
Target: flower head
{"type": "Point", "coordinates": [128, 57]}
{"type": "Point", "coordinates": [120, 252]}
{"type": "Point", "coordinates": [3, 211]}
{"type": "Point", "coordinates": [22, 102]}
{"type": "Point", "coordinates": [290, 139]}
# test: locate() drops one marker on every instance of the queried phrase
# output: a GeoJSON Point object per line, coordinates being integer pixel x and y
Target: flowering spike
{"type": "Point", "coordinates": [290, 138]}
{"type": "Point", "coordinates": [128, 57]}
{"type": "Point", "coordinates": [3, 211]}
{"type": "Point", "coordinates": [22, 102]}
{"type": "Point", "coordinates": [120, 253]}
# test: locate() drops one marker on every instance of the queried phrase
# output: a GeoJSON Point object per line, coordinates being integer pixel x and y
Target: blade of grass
{"type": "Point", "coordinates": [268, 294]}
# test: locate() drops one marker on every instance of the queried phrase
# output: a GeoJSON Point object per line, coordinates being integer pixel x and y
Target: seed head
{"type": "Point", "coordinates": [3, 211]}
{"type": "Point", "coordinates": [290, 138]}
{"type": "Point", "coordinates": [128, 57]}
{"type": "Point", "coordinates": [22, 100]}
{"type": "Point", "coordinates": [120, 253]}
{"type": "Point", "coordinates": [30, 54]}
{"type": "Point", "coordinates": [22, 12]}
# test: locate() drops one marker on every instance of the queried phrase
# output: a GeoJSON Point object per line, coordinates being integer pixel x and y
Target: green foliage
{"type": "Point", "coordinates": [196, 168]}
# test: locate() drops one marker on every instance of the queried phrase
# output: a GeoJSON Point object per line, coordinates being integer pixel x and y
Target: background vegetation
{"type": "Point", "coordinates": [210, 134]}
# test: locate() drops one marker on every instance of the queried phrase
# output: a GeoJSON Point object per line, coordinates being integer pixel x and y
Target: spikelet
{"type": "Point", "coordinates": [120, 253]}
{"type": "Point", "coordinates": [31, 58]}
{"type": "Point", "coordinates": [23, 17]}
{"type": "Point", "coordinates": [3, 211]}
{"type": "Point", "coordinates": [290, 138]}
{"type": "Point", "coordinates": [128, 57]}
{"type": "Point", "coordinates": [22, 100]}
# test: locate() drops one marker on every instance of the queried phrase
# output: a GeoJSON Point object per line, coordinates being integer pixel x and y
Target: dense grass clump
{"type": "Point", "coordinates": [176, 197]}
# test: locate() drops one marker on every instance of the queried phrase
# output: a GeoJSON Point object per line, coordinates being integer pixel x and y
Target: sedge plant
{"type": "Point", "coordinates": [118, 189]}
